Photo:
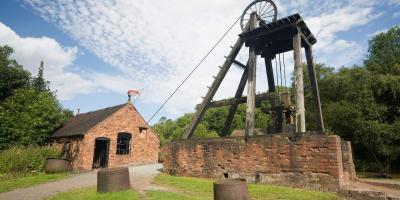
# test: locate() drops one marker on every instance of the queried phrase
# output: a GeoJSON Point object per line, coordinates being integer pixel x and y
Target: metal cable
{"type": "Point", "coordinates": [194, 69]}
{"type": "Point", "coordinates": [277, 81]}
{"type": "Point", "coordinates": [280, 69]}
{"type": "Point", "coordinates": [284, 69]}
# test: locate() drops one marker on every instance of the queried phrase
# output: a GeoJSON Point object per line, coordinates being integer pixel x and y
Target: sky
{"type": "Point", "coordinates": [95, 50]}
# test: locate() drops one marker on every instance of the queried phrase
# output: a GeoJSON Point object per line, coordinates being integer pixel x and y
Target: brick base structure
{"type": "Point", "coordinates": [312, 160]}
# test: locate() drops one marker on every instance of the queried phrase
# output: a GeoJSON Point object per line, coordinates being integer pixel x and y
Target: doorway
{"type": "Point", "coordinates": [100, 155]}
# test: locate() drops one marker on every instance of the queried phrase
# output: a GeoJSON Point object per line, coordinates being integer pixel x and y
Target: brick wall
{"type": "Point", "coordinates": [144, 146]}
{"type": "Point", "coordinates": [348, 164]}
{"type": "Point", "coordinates": [74, 151]}
{"type": "Point", "coordinates": [310, 161]}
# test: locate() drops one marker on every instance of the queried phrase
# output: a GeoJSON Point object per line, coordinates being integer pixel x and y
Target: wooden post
{"type": "Point", "coordinates": [233, 108]}
{"type": "Point", "coordinates": [314, 89]}
{"type": "Point", "coordinates": [251, 83]}
{"type": "Point", "coordinates": [270, 74]}
{"type": "Point", "coordinates": [300, 111]}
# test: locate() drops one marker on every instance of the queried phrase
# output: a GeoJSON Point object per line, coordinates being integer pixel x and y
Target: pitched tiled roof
{"type": "Point", "coordinates": [82, 123]}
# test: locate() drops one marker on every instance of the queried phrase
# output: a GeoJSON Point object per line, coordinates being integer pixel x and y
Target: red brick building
{"type": "Point", "coordinates": [110, 137]}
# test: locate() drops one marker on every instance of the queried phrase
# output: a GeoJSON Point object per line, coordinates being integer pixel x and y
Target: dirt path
{"type": "Point", "coordinates": [365, 190]}
{"type": "Point", "coordinates": [141, 177]}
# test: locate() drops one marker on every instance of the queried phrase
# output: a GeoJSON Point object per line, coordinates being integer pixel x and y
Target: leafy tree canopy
{"type": "Point", "coordinates": [12, 75]}
{"type": "Point", "coordinates": [29, 111]}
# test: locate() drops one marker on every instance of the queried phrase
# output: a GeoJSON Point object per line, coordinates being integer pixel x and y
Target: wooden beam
{"type": "Point", "coordinates": [233, 108]}
{"type": "Point", "coordinates": [251, 82]}
{"type": "Point", "coordinates": [214, 87]}
{"type": "Point", "coordinates": [239, 64]}
{"type": "Point", "coordinates": [305, 40]}
{"type": "Point", "coordinates": [240, 100]}
{"type": "Point", "coordinates": [314, 89]}
{"type": "Point", "coordinates": [269, 32]}
{"type": "Point", "coordinates": [298, 71]}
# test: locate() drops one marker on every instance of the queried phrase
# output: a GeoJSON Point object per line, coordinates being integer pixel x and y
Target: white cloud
{"type": "Point", "coordinates": [378, 32]}
{"type": "Point", "coordinates": [58, 64]}
{"type": "Point", "coordinates": [156, 43]}
{"type": "Point", "coordinates": [30, 51]}
{"type": "Point", "coordinates": [329, 48]}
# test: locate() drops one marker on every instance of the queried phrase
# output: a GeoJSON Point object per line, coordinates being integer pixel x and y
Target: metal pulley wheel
{"type": "Point", "coordinates": [266, 11]}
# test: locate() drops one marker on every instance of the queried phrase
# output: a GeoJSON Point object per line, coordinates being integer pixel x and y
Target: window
{"type": "Point", "coordinates": [124, 143]}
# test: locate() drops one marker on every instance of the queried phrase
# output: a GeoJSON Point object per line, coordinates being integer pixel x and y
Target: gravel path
{"type": "Point", "coordinates": [141, 177]}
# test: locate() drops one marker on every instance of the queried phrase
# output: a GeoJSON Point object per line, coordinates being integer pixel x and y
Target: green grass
{"type": "Point", "coordinates": [161, 195]}
{"type": "Point", "coordinates": [90, 193]}
{"type": "Point", "coordinates": [203, 189]}
{"type": "Point", "coordinates": [196, 185]}
{"type": "Point", "coordinates": [8, 183]}
{"type": "Point", "coordinates": [276, 192]}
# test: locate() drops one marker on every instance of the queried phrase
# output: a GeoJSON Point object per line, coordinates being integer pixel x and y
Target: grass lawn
{"type": "Point", "coordinates": [192, 189]}
{"type": "Point", "coordinates": [161, 195]}
{"type": "Point", "coordinates": [7, 184]}
{"type": "Point", "coordinates": [90, 193]}
{"type": "Point", "coordinates": [197, 189]}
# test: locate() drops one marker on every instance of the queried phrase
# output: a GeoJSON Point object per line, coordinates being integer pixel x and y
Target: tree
{"type": "Point", "coordinates": [203, 132]}
{"type": "Point", "coordinates": [383, 61]}
{"type": "Point", "coordinates": [39, 83]}
{"type": "Point", "coordinates": [351, 111]}
{"type": "Point", "coordinates": [383, 52]}
{"type": "Point", "coordinates": [29, 117]}
{"type": "Point", "coordinates": [361, 103]}
{"type": "Point", "coordinates": [12, 75]}
{"type": "Point", "coordinates": [29, 111]}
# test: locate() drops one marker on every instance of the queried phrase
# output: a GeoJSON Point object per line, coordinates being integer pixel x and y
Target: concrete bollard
{"type": "Point", "coordinates": [113, 179]}
{"type": "Point", "coordinates": [235, 189]}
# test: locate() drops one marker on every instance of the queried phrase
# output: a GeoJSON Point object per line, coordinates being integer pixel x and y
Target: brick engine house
{"type": "Point", "coordinates": [110, 137]}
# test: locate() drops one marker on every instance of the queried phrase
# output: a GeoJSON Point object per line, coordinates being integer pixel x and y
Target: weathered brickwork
{"type": "Point", "coordinates": [348, 164]}
{"type": "Point", "coordinates": [144, 145]}
{"type": "Point", "coordinates": [311, 161]}
{"type": "Point", "coordinates": [74, 153]}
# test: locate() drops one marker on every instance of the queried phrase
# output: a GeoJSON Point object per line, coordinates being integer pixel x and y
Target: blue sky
{"type": "Point", "coordinates": [94, 51]}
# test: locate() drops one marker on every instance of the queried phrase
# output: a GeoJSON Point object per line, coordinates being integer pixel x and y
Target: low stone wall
{"type": "Point", "coordinates": [311, 160]}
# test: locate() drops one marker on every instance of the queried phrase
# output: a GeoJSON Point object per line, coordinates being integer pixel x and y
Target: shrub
{"type": "Point", "coordinates": [22, 160]}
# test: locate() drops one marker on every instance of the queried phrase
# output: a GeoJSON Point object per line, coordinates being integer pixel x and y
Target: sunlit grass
{"type": "Point", "coordinates": [8, 183]}
{"type": "Point", "coordinates": [162, 195]}
{"type": "Point", "coordinates": [203, 189]}
{"type": "Point", "coordinates": [90, 193]}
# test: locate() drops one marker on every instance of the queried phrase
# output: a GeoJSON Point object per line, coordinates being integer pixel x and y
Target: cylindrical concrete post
{"type": "Point", "coordinates": [231, 190]}
{"type": "Point", "coordinates": [113, 179]}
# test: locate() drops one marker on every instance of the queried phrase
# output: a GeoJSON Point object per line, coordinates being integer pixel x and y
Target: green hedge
{"type": "Point", "coordinates": [20, 160]}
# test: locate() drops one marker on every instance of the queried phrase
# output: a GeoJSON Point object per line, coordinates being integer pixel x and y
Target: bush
{"type": "Point", "coordinates": [22, 160]}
